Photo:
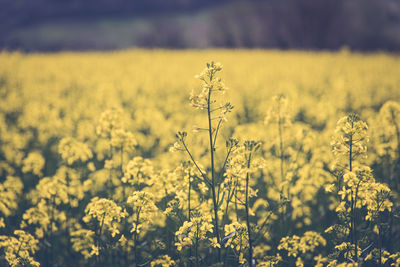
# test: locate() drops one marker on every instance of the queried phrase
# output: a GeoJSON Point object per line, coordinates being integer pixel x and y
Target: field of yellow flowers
{"type": "Point", "coordinates": [171, 158]}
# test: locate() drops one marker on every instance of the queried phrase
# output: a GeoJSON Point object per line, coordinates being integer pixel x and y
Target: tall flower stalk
{"type": "Point", "coordinates": [251, 147]}
{"type": "Point", "coordinates": [211, 84]}
{"type": "Point", "coordinates": [362, 199]}
{"type": "Point", "coordinates": [351, 142]}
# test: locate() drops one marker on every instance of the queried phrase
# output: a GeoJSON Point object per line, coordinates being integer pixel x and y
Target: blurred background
{"type": "Point", "coordinates": [54, 25]}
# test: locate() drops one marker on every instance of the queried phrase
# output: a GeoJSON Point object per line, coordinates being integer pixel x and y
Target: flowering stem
{"type": "Point", "coordinates": [350, 153]}
{"type": "Point", "coordinates": [283, 178]}
{"type": "Point", "coordinates": [110, 174]}
{"type": "Point", "coordinates": [250, 256]}
{"type": "Point", "coordinates": [135, 238]}
{"type": "Point", "coordinates": [122, 160]}
{"type": "Point", "coordinates": [195, 163]}
{"type": "Point", "coordinates": [99, 238]}
{"type": "Point", "coordinates": [353, 201]}
{"type": "Point", "coordinates": [259, 234]}
{"type": "Point", "coordinates": [281, 145]}
{"type": "Point", "coordinates": [190, 185]}
{"type": "Point", "coordinates": [380, 245]}
{"type": "Point", "coordinates": [19, 248]}
{"type": "Point", "coordinates": [197, 246]}
{"type": "Point", "coordinates": [225, 161]}
{"type": "Point", "coordinates": [212, 148]}
{"type": "Point", "coordinates": [396, 126]}
{"type": "Point", "coordinates": [228, 200]}
{"type": "Point", "coordinates": [189, 198]}
{"type": "Point", "coordinates": [52, 220]}
{"type": "Point", "coordinates": [236, 198]}
{"type": "Point", "coordinates": [216, 131]}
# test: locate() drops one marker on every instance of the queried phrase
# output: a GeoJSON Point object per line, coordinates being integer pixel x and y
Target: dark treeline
{"type": "Point", "coordinates": [289, 24]}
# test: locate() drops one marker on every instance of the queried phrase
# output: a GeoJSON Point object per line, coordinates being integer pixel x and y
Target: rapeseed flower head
{"type": "Point", "coordinates": [20, 248]}
{"type": "Point", "coordinates": [34, 163]}
{"type": "Point", "coordinates": [72, 150]}
{"type": "Point", "coordinates": [10, 191]}
{"type": "Point", "coordinates": [106, 213]}
{"type": "Point", "coordinates": [109, 120]}
{"type": "Point", "coordinates": [350, 137]}
{"type": "Point", "coordinates": [194, 231]}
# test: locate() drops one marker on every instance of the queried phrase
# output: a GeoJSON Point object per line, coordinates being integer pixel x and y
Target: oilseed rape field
{"type": "Point", "coordinates": [200, 158]}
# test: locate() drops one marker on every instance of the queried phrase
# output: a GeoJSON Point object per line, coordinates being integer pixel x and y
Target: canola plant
{"type": "Point", "coordinates": [129, 158]}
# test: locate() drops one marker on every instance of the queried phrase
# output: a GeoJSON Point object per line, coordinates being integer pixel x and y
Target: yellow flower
{"type": "Point", "coordinates": [72, 150]}
{"type": "Point", "coordinates": [296, 245]}
{"type": "Point", "coordinates": [214, 243]}
{"type": "Point", "coordinates": [34, 163]}
{"type": "Point", "coordinates": [137, 171]}
{"type": "Point", "coordinates": [329, 187]}
{"type": "Point", "coordinates": [83, 241]}
{"type": "Point", "coordinates": [109, 120]}
{"type": "Point", "coordinates": [20, 248]}
{"type": "Point", "coordinates": [194, 231]}
{"type": "Point", "coordinates": [144, 210]}
{"type": "Point", "coordinates": [351, 133]}
{"type": "Point", "coordinates": [163, 261]}
{"type": "Point", "coordinates": [106, 213]}
{"type": "Point", "coordinates": [10, 191]}
{"type": "Point", "coordinates": [123, 139]}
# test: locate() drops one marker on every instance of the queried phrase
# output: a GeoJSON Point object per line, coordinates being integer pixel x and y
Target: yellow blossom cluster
{"type": "Point", "coordinates": [279, 112]}
{"type": "Point", "coordinates": [210, 83]}
{"type": "Point", "coordinates": [19, 249]}
{"type": "Point", "coordinates": [389, 132]}
{"type": "Point", "coordinates": [236, 237]}
{"type": "Point", "coordinates": [360, 196]}
{"type": "Point", "coordinates": [295, 245]}
{"type": "Point", "coordinates": [72, 150]}
{"type": "Point", "coordinates": [351, 137]}
{"type": "Point", "coordinates": [109, 120]}
{"type": "Point", "coordinates": [10, 191]}
{"type": "Point", "coordinates": [194, 231]}
{"type": "Point", "coordinates": [123, 139]}
{"type": "Point", "coordinates": [144, 210]}
{"type": "Point", "coordinates": [83, 241]}
{"type": "Point", "coordinates": [163, 261]}
{"type": "Point", "coordinates": [34, 163]}
{"type": "Point", "coordinates": [369, 193]}
{"type": "Point", "coordinates": [138, 171]}
{"type": "Point", "coordinates": [106, 213]}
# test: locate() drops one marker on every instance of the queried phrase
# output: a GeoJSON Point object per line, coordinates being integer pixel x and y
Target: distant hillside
{"type": "Point", "coordinates": [52, 25]}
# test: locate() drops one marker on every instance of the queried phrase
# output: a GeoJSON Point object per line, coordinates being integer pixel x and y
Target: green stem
{"type": "Point", "coordinates": [99, 237]}
{"type": "Point", "coordinates": [197, 247]}
{"type": "Point", "coordinates": [353, 199]}
{"type": "Point", "coordinates": [215, 204]}
{"type": "Point", "coordinates": [396, 126]}
{"type": "Point", "coordinates": [135, 238]}
{"type": "Point", "coordinates": [250, 256]}
{"type": "Point", "coordinates": [380, 246]}
{"type": "Point", "coordinates": [122, 161]}
{"type": "Point", "coordinates": [189, 198]}
{"type": "Point", "coordinates": [281, 145]}
{"type": "Point", "coordinates": [195, 163]}
{"type": "Point", "coordinates": [110, 173]}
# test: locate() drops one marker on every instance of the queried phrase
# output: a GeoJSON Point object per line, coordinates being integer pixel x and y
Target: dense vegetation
{"type": "Point", "coordinates": [273, 159]}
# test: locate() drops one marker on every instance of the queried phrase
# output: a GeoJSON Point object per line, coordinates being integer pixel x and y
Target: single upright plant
{"type": "Point", "coordinates": [361, 198]}
{"type": "Point", "coordinates": [216, 116]}
{"type": "Point", "coordinates": [350, 142]}
{"type": "Point", "coordinates": [278, 113]}
{"type": "Point", "coordinates": [241, 236]}
{"type": "Point", "coordinates": [278, 119]}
